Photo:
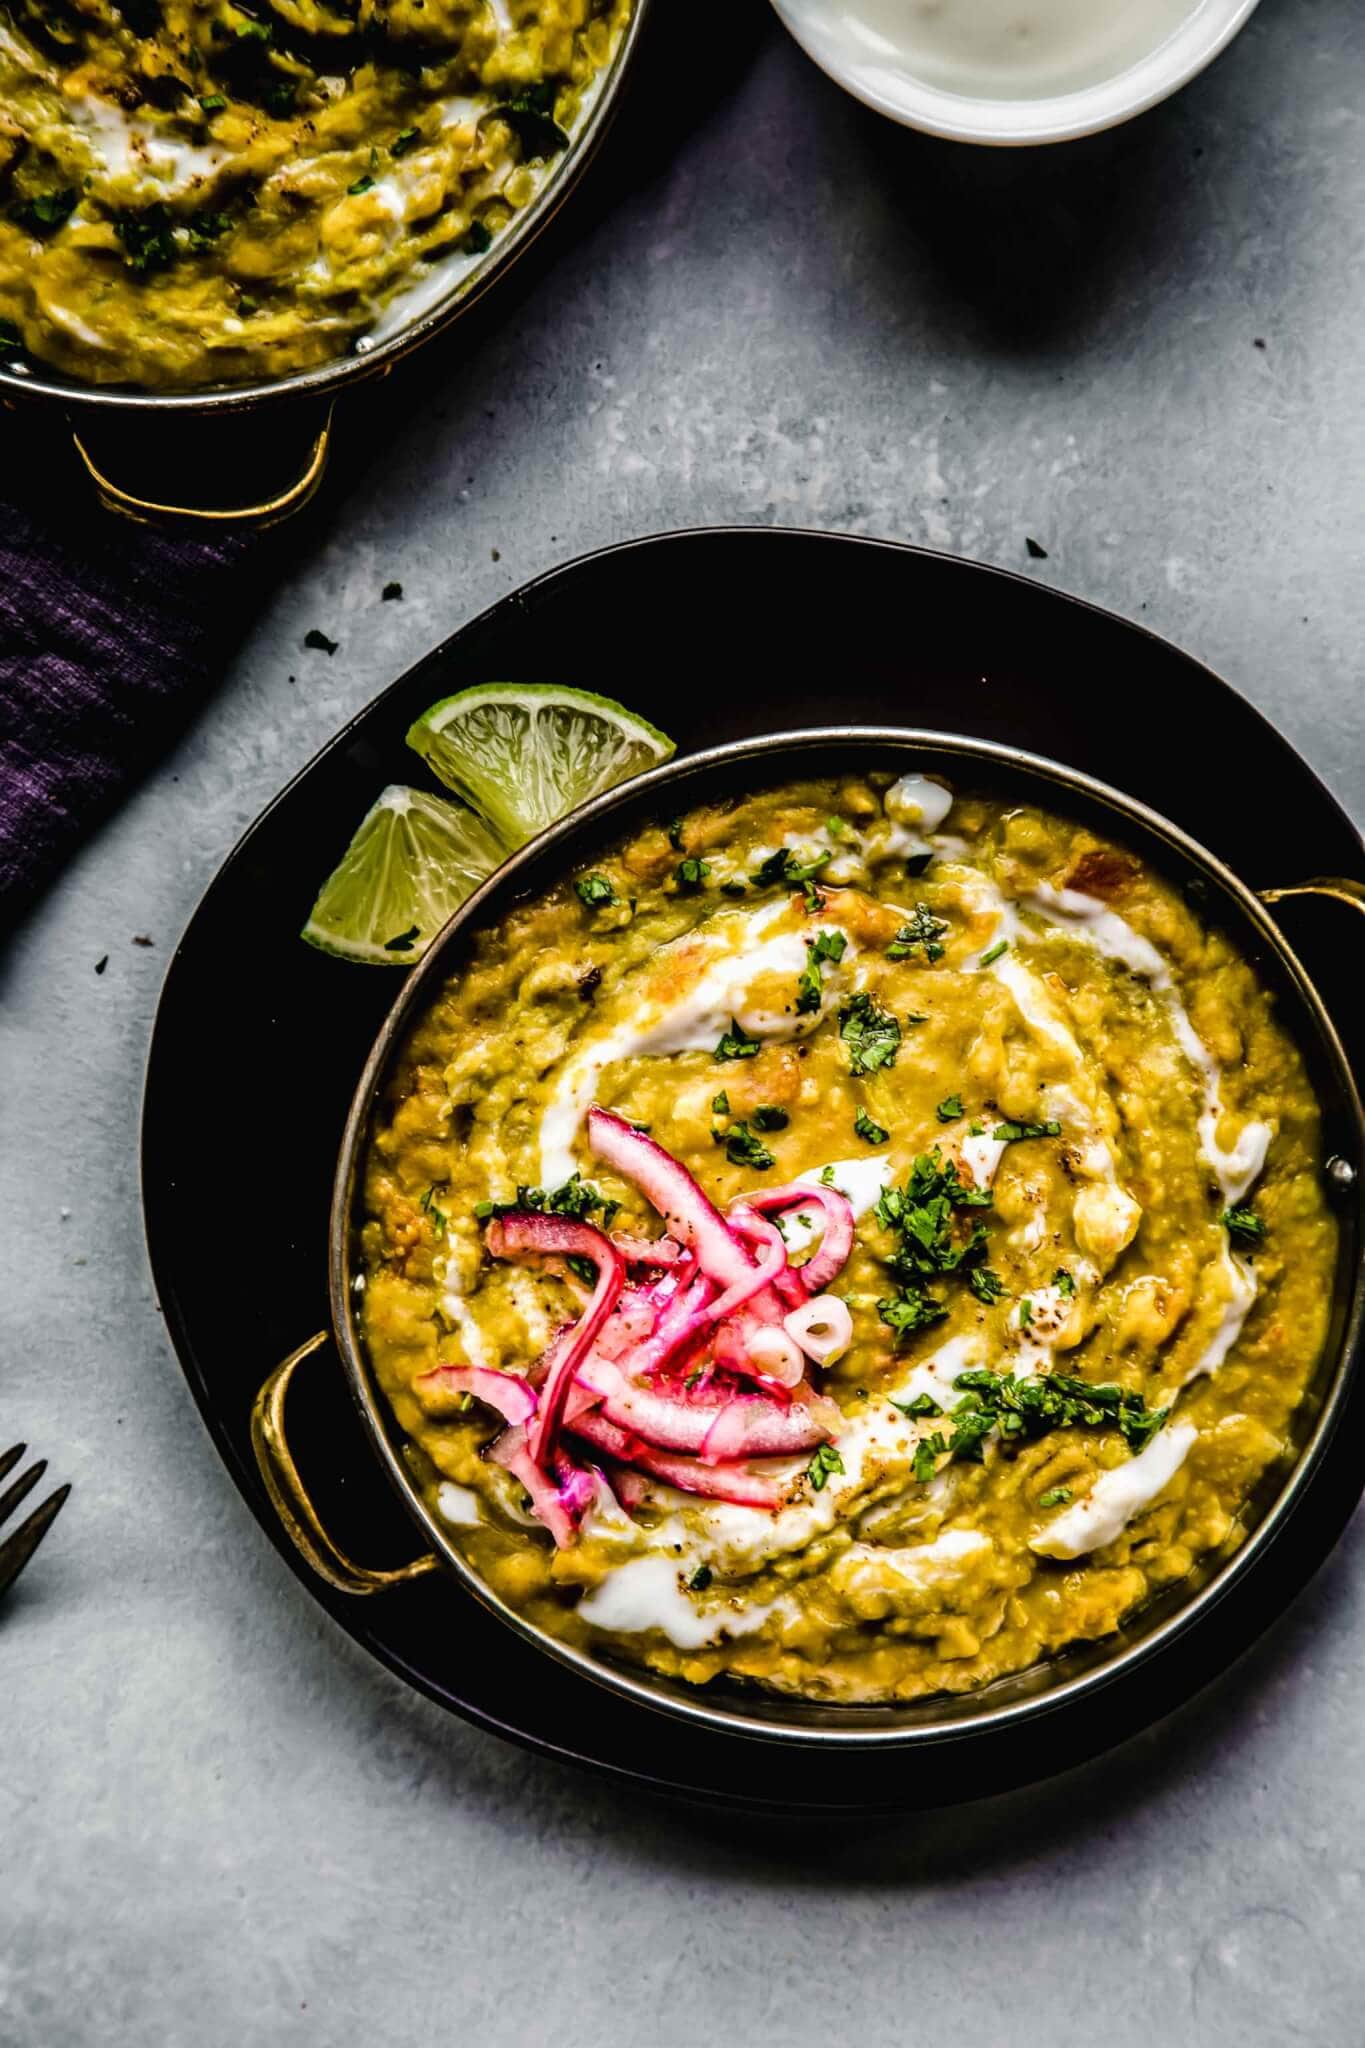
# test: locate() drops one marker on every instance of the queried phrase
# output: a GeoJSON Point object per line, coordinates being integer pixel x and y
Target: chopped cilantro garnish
{"type": "Point", "coordinates": [827, 1176]}
{"type": "Point", "coordinates": [871, 1035]}
{"type": "Point", "coordinates": [404, 140]}
{"type": "Point", "coordinates": [403, 942]}
{"type": "Point", "coordinates": [700, 1579]}
{"type": "Point", "coordinates": [783, 866]}
{"type": "Point", "coordinates": [1025, 1313]}
{"type": "Point", "coordinates": [1055, 1497]}
{"type": "Point", "coordinates": [923, 1404]}
{"type": "Point", "coordinates": [530, 116]}
{"type": "Point", "coordinates": [594, 891]}
{"type": "Point", "coordinates": [1243, 1226]}
{"type": "Point", "coordinates": [689, 874]}
{"type": "Point", "coordinates": [361, 185]}
{"type": "Point", "coordinates": [477, 239]}
{"type": "Point", "coordinates": [836, 828]}
{"type": "Point", "coordinates": [438, 1216]}
{"type": "Point", "coordinates": [1012, 1133]}
{"type": "Point", "coordinates": [734, 887]}
{"type": "Point", "coordinates": [720, 1104]}
{"type": "Point", "coordinates": [923, 933]}
{"type": "Point", "coordinates": [910, 1309]}
{"type": "Point", "coordinates": [950, 1109]}
{"type": "Point", "coordinates": [825, 1461]}
{"type": "Point", "coordinates": [1064, 1283]}
{"type": "Point", "coordinates": [576, 1198]}
{"type": "Point", "coordinates": [583, 1268]}
{"type": "Point", "coordinates": [873, 1133]}
{"type": "Point", "coordinates": [1000, 946]}
{"type": "Point", "coordinates": [767, 1117]}
{"type": "Point", "coordinates": [826, 945]}
{"type": "Point", "coordinates": [736, 1044]}
{"type": "Point", "coordinates": [985, 1285]}
{"type": "Point", "coordinates": [44, 211]}
{"type": "Point", "coordinates": [743, 1147]}
{"type": "Point", "coordinates": [213, 102]}
{"type": "Point", "coordinates": [675, 838]}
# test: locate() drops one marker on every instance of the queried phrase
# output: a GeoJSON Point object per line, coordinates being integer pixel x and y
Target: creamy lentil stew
{"type": "Point", "coordinates": [1072, 1262]}
{"type": "Point", "coordinates": [197, 191]}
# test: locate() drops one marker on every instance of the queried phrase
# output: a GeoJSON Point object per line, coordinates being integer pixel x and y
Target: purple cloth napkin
{"type": "Point", "coordinates": [109, 637]}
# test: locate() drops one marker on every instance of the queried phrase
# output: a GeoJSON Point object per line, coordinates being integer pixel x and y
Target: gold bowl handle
{"type": "Point", "coordinates": [114, 497]}
{"type": "Point", "coordinates": [1340, 888]}
{"type": "Point", "coordinates": [291, 1500]}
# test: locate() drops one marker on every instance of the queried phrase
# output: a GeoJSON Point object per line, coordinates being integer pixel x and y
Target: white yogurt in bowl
{"type": "Point", "coordinates": [1013, 71]}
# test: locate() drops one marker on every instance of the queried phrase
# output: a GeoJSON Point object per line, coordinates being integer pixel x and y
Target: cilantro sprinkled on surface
{"type": "Point", "coordinates": [824, 946]}
{"type": "Point", "coordinates": [594, 891]}
{"type": "Point", "coordinates": [213, 102]}
{"type": "Point", "coordinates": [825, 1462]}
{"type": "Point", "coordinates": [985, 1285]}
{"type": "Point", "coordinates": [690, 874]}
{"type": "Point", "coordinates": [950, 1109]}
{"type": "Point", "coordinates": [700, 1579]}
{"type": "Point", "coordinates": [767, 1117]}
{"type": "Point", "coordinates": [1243, 1226]}
{"type": "Point", "coordinates": [1064, 1283]}
{"type": "Point", "coordinates": [438, 1217]}
{"type": "Point", "coordinates": [530, 116]}
{"type": "Point", "coordinates": [720, 1104]}
{"type": "Point", "coordinates": [364, 184]}
{"type": "Point", "coordinates": [1000, 946]}
{"type": "Point", "coordinates": [675, 835]}
{"type": "Point", "coordinates": [404, 140]}
{"type": "Point", "coordinates": [872, 1035]}
{"type": "Point", "coordinates": [478, 239]}
{"type": "Point", "coordinates": [783, 867]}
{"type": "Point", "coordinates": [1055, 1497]}
{"type": "Point", "coordinates": [872, 1133]}
{"type": "Point", "coordinates": [1012, 1133]}
{"type": "Point", "coordinates": [910, 1309]}
{"type": "Point", "coordinates": [743, 1146]}
{"type": "Point", "coordinates": [1025, 1313]}
{"type": "Point", "coordinates": [736, 1044]}
{"type": "Point", "coordinates": [923, 933]}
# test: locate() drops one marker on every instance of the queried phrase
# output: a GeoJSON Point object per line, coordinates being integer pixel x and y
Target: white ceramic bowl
{"type": "Point", "coordinates": [894, 90]}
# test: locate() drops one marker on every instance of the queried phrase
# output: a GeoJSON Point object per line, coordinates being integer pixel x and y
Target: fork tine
{"type": "Point", "coordinates": [17, 1549]}
{"type": "Point", "coordinates": [11, 1497]}
{"type": "Point", "coordinates": [11, 1458]}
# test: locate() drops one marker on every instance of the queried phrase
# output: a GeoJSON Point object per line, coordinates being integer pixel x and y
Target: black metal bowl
{"type": "Point", "coordinates": [1024, 663]}
{"type": "Point", "coordinates": [1065, 1683]}
{"type": "Point", "coordinates": [275, 433]}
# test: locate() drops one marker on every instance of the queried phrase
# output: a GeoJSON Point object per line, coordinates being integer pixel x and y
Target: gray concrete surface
{"type": "Point", "coordinates": [219, 1824]}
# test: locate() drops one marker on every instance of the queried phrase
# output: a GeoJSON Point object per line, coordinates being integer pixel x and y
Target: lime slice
{"type": "Point", "coordinates": [412, 862]}
{"type": "Point", "coordinates": [524, 754]}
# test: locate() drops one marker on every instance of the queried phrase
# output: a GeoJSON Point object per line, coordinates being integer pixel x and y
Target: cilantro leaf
{"type": "Point", "coordinates": [1243, 1226]}
{"type": "Point", "coordinates": [825, 1461]}
{"type": "Point", "coordinates": [594, 890]}
{"type": "Point", "coordinates": [871, 1132]}
{"type": "Point", "coordinates": [950, 1109]}
{"type": "Point", "coordinates": [924, 933]}
{"type": "Point", "coordinates": [871, 1035]}
{"type": "Point", "coordinates": [736, 1044]}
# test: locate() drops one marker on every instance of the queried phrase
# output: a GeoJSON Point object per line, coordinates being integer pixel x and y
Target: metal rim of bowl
{"type": "Point", "coordinates": [1021, 123]}
{"type": "Point", "coordinates": [326, 380]}
{"type": "Point", "coordinates": [593, 822]}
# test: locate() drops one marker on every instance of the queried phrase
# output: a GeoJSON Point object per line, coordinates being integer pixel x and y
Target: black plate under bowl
{"type": "Point", "coordinates": [714, 635]}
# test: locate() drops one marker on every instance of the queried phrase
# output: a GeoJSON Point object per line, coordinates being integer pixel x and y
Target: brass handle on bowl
{"type": "Point", "coordinates": [1340, 888]}
{"type": "Point", "coordinates": [290, 1498]}
{"type": "Point", "coordinates": [266, 512]}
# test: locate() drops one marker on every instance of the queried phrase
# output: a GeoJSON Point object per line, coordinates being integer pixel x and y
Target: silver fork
{"type": "Point", "coordinates": [19, 1546]}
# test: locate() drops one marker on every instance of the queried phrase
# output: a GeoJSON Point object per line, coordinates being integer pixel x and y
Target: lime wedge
{"type": "Point", "coordinates": [524, 754]}
{"type": "Point", "coordinates": [412, 862]}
